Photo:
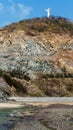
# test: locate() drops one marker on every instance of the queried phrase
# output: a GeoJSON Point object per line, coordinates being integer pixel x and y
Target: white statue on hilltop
{"type": "Point", "coordinates": [48, 12]}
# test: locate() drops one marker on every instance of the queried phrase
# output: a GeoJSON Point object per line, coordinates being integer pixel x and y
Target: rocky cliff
{"type": "Point", "coordinates": [36, 58]}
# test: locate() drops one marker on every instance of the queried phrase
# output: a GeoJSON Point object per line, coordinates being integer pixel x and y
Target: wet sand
{"type": "Point", "coordinates": [23, 104]}
{"type": "Point", "coordinates": [47, 103]}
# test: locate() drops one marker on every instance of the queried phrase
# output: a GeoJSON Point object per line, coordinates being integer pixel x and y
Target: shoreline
{"type": "Point", "coordinates": [10, 105]}
{"type": "Point", "coordinates": [48, 103]}
{"type": "Point", "coordinates": [36, 113]}
{"type": "Point", "coordinates": [16, 104]}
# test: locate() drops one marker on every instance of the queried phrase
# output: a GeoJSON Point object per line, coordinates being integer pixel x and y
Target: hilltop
{"type": "Point", "coordinates": [36, 58]}
{"type": "Point", "coordinates": [40, 25]}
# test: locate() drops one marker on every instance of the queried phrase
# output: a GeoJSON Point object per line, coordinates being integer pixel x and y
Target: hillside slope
{"type": "Point", "coordinates": [36, 58]}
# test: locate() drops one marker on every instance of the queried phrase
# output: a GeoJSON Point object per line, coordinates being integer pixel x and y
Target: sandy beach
{"type": "Point", "coordinates": [15, 102]}
{"type": "Point", "coordinates": [23, 104]}
{"type": "Point", "coordinates": [42, 100]}
{"type": "Point", "coordinates": [10, 105]}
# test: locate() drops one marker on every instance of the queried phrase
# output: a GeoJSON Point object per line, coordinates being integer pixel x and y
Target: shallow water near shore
{"type": "Point", "coordinates": [6, 117]}
{"type": "Point", "coordinates": [52, 117]}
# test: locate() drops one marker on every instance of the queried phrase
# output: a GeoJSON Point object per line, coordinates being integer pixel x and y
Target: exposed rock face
{"type": "Point", "coordinates": [4, 89]}
{"type": "Point", "coordinates": [30, 57]}
{"type": "Point", "coordinates": [26, 59]}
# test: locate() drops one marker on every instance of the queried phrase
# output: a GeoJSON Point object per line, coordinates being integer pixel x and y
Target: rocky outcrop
{"type": "Point", "coordinates": [25, 59]}
{"type": "Point", "coordinates": [4, 90]}
{"type": "Point", "coordinates": [30, 57]}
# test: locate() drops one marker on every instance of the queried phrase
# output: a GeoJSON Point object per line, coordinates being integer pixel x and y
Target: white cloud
{"type": "Point", "coordinates": [18, 9]}
{"type": "Point", "coordinates": [1, 7]}
{"type": "Point", "coordinates": [23, 10]}
{"type": "Point", "coordinates": [11, 10]}
{"type": "Point", "coordinates": [15, 11]}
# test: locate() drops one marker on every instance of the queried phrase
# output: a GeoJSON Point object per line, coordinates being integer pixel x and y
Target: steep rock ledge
{"type": "Point", "coordinates": [36, 65]}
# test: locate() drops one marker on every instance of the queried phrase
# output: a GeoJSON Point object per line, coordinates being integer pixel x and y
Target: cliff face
{"type": "Point", "coordinates": [36, 58]}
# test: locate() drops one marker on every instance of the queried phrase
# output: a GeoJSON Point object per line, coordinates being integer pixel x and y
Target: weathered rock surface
{"type": "Point", "coordinates": [26, 59]}
{"type": "Point", "coordinates": [4, 89]}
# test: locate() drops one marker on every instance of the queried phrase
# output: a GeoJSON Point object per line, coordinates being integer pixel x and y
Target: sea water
{"type": "Point", "coordinates": [6, 118]}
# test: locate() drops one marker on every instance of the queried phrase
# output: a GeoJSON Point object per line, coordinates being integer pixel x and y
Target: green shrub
{"type": "Point", "coordinates": [53, 24]}
{"type": "Point", "coordinates": [12, 82]}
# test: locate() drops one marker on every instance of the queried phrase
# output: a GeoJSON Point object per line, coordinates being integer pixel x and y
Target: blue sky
{"type": "Point", "coordinates": [15, 10]}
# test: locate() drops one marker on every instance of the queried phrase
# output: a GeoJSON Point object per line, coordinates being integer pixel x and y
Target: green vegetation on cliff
{"type": "Point", "coordinates": [38, 25]}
